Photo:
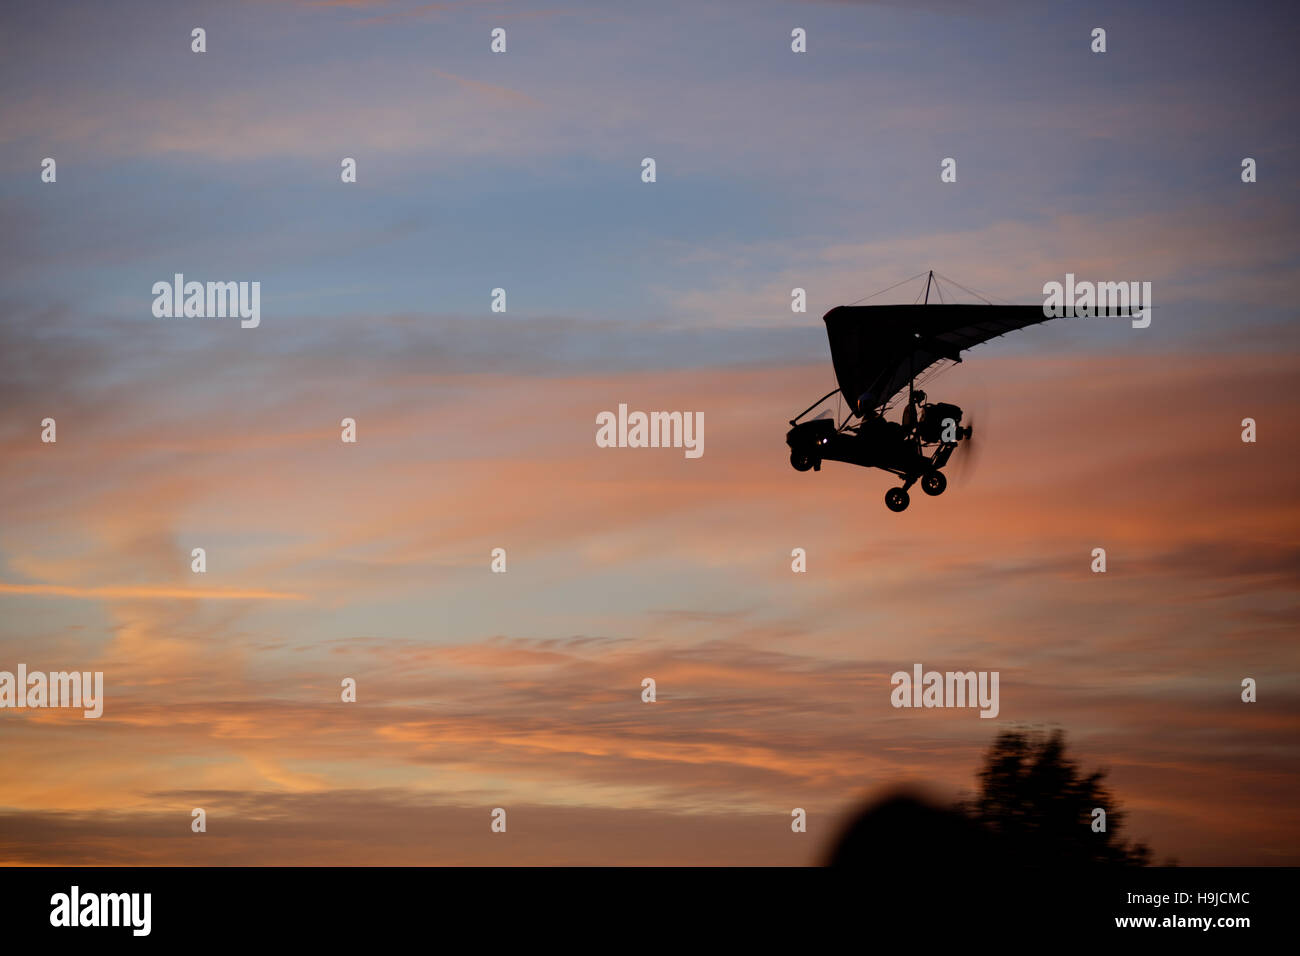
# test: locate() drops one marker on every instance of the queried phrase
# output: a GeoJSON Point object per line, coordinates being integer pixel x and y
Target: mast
{"type": "Point", "coordinates": [911, 382]}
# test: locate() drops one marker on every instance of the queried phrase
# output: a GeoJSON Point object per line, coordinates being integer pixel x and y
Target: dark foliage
{"type": "Point", "coordinates": [1038, 805]}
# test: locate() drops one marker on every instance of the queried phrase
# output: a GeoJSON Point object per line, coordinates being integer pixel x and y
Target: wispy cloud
{"type": "Point", "coordinates": [134, 593]}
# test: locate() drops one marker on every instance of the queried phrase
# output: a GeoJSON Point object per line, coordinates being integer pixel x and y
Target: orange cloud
{"type": "Point", "coordinates": [524, 688]}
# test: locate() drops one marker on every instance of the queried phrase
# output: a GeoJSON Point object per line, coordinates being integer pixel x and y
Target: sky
{"type": "Point", "coordinates": [476, 429]}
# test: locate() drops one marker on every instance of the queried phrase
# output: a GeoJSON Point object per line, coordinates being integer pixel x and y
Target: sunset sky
{"type": "Point", "coordinates": [476, 429]}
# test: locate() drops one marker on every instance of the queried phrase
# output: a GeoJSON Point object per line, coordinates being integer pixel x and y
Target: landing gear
{"type": "Point", "coordinates": [800, 461]}
{"type": "Point", "coordinates": [896, 499]}
{"type": "Point", "coordinates": [934, 482]}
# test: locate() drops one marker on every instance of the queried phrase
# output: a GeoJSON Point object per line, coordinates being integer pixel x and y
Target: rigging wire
{"type": "Point", "coordinates": [983, 297]}
{"type": "Point", "coordinates": [894, 286]}
{"type": "Point", "coordinates": [975, 292]}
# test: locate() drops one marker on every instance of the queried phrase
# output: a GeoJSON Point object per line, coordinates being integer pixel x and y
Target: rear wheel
{"type": "Point", "coordinates": [800, 461]}
{"type": "Point", "coordinates": [896, 499]}
{"type": "Point", "coordinates": [934, 482]}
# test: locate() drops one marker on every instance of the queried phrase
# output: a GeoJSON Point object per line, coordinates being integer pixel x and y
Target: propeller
{"type": "Point", "coordinates": [966, 456]}
{"type": "Point", "coordinates": [967, 453]}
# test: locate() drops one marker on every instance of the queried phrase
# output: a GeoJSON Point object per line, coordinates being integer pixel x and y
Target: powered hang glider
{"type": "Point", "coordinates": [879, 352]}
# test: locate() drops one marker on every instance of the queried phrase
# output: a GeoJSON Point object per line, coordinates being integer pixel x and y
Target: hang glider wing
{"type": "Point", "coordinates": [878, 349]}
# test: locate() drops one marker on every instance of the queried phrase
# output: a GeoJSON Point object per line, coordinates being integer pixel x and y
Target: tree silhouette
{"type": "Point", "coordinates": [1038, 805]}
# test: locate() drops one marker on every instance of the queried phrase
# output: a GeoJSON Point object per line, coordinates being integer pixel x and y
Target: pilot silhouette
{"type": "Point", "coordinates": [911, 414]}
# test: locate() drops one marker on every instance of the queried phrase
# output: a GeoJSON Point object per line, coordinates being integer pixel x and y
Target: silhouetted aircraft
{"type": "Point", "coordinates": [879, 351]}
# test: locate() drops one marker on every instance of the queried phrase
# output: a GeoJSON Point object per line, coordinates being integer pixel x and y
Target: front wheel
{"type": "Point", "coordinates": [896, 499]}
{"type": "Point", "coordinates": [934, 483]}
{"type": "Point", "coordinates": [800, 461]}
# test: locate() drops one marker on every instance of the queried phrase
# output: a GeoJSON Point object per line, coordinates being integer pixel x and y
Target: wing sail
{"type": "Point", "coordinates": [878, 349]}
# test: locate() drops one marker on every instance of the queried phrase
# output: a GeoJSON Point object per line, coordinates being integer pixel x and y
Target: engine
{"type": "Point", "coordinates": [934, 419]}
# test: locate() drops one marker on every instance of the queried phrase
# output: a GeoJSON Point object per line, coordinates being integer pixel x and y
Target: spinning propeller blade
{"type": "Point", "coordinates": [967, 454]}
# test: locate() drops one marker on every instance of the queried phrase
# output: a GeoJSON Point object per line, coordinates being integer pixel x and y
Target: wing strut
{"type": "Point", "coordinates": [795, 420]}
